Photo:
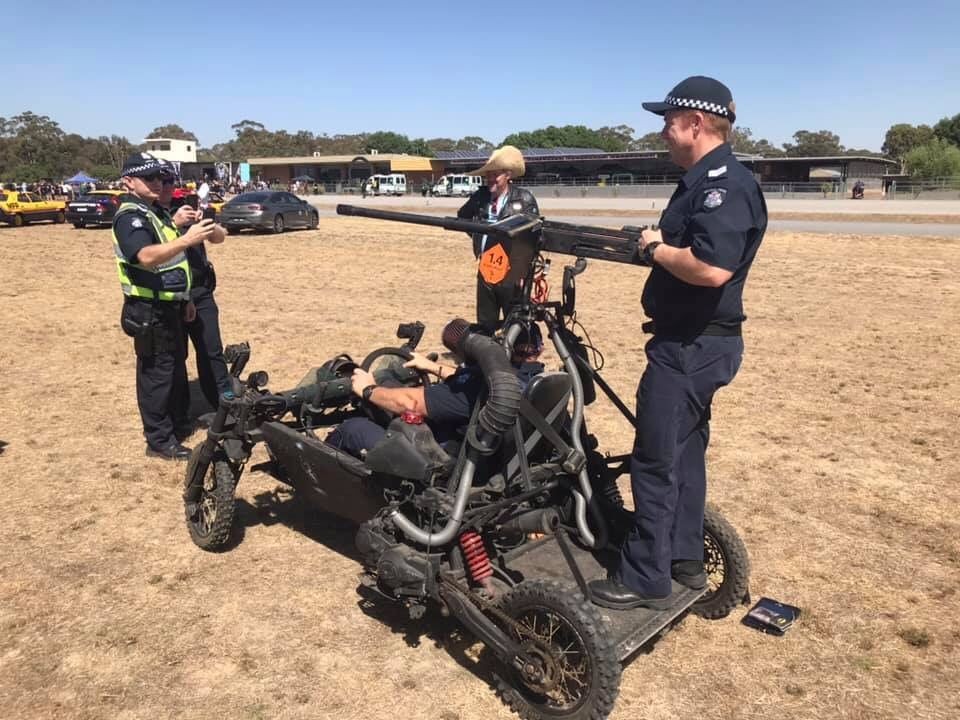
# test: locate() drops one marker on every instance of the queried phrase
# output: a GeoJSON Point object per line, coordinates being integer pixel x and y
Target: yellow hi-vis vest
{"type": "Point", "coordinates": [170, 281]}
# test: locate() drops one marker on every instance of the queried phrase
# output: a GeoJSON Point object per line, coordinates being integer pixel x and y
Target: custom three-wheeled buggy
{"type": "Point", "coordinates": [503, 532]}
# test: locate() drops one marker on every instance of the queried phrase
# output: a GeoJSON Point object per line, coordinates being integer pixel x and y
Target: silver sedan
{"type": "Point", "coordinates": [274, 211]}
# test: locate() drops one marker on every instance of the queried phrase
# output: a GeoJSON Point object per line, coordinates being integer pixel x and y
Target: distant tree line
{"type": "Point", "coordinates": [34, 146]}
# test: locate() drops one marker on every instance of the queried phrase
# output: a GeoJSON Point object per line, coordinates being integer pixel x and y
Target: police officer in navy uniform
{"type": "Point", "coordinates": [496, 200]}
{"type": "Point", "coordinates": [155, 279]}
{"type": "Point", "coordinates": [700, 257]}
{"type": "Point", "coordinates": [204, 331]}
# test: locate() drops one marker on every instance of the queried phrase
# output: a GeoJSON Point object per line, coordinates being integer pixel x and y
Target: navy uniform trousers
{"type": "Point", "coordinates": [204, 331]}
{"type": "Point", "coordinates": [163, 395]}
{"type": "Point", "coordinates": [668, 469]}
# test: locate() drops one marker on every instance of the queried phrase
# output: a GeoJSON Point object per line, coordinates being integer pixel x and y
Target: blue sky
{"type": "Point", "coordinates": [449, 69]}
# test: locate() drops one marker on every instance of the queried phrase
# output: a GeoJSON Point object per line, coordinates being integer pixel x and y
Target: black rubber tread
{"type": "Point", "coordinates": [223, 495]}
{"type": "Point", "coordinates": [78, 225]}
{"type": "Point", "coordinates": [233, 231]}
{"type": "Point", "coordinates": [278, 224]}
{"type": "Point", "coordinates": [568, 602]}
{"type": "Point", "coordinates": [18, 220]}
{"type": "Point", "coordinates": [314, 221]}
{"type": "Point", "coordinates": [60, 218]}
{"type": "Point", "coordinates": [736, 568]}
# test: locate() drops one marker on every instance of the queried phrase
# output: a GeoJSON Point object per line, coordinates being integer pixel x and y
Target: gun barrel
{"type": "Point", "coordinates": [447, 223]}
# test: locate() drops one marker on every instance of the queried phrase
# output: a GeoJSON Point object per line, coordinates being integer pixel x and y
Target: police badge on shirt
{"type": "Point", "coordinates": [713, 198]}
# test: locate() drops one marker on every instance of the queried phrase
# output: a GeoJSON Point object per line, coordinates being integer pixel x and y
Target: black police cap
{"type": "Point", "coordinates": [140, 164]}
{"type": "Point", "coordinates": [697, 93]}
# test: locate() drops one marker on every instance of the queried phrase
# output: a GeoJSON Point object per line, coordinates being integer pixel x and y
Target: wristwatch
{"type": "Point", "coordinates": [367, 392]}
{"type": "Point", "coordinates": [648, 250]}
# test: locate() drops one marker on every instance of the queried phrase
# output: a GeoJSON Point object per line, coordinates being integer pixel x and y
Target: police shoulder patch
{"type": "Point", "coordinates": [136, 222]}
{"type": "Point", "coordinates": [713, 197]}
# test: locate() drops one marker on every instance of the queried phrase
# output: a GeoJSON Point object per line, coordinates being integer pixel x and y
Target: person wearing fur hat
{"type": "Point", "coordinates": [497, 199]}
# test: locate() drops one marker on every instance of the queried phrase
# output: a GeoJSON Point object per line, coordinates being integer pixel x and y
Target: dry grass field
{"type": "Point", "coordinates": [834, 452]}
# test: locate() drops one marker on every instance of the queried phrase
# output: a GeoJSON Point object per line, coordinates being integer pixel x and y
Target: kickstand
{"type": "Point", "coordinates": [561, 535]}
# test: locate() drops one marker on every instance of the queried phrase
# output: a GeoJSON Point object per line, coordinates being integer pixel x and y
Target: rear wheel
{"type": "Point", "coordinates": [60, 218]}
{"type": "Point", "coordinates": [278, 223]}
{"type": "Point", "coordinates": [210, 518]}
{"type": "Point", "coordinates": [727, 566]}
{"type": "Point", "coordinates": [17, 221]}
{"type": "Point", "coordinates": [572, 669]}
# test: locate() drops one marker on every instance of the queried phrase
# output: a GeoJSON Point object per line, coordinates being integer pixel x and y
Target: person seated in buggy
{"type": "Point", "coordinates": [445, 406]}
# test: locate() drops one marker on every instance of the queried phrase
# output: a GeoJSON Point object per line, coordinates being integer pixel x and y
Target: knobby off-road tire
{"type": "Point", "coordinates": [727, 565]}
{"type": "Point", "coordinates": [588, 674]}
{"type": "Point", "coordinates": [212, 522]}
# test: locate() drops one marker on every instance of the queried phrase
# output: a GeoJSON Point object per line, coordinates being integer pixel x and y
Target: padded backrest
{"type": "Point", "coordinates": [549, 394]}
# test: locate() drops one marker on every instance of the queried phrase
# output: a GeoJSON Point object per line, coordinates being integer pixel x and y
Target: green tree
{"type": "Point", "coordinates": [435, 145]}
{"type": "Point", "coordinates": [650, 141]}
{"type": "Point", "coordinates": [903, 137]}
{"type": "Point", "coordinates": [936, 159]}
{"type": "Point", "coordinates": [387, 142]}
{"type": "Point", "coordinates": [620, 136]}
{"type": "Point", "coordinates": [566, 136]}
{"type": "Point", "coordinates": [473, 143]}
{"type": "Point", "coordinates": [172, 131]}
{"type": "Point", "coordinates": [742, 141]}
{"type": "Point", "coordinates": [949, 129]}
{"type": "Point", "coordinates": [813, 144]}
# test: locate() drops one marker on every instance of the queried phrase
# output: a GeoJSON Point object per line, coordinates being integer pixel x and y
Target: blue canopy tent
{"type": "Point", "coordinates": [81, 178]}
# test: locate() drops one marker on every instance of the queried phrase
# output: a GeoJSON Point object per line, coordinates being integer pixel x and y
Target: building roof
{"type": "Point", "coordinates": [397, 161]}
{"type": "Point", "coordinates": [163, 139]}
{"type": "Point", "coordinates": [826, 158]}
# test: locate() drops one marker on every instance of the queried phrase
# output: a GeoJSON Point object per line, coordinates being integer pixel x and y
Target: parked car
{"type": "Point", "coordinates": [19, 208]}
{"type": "Point", "coordinates": [274, 211]}
{"type": "Point", "coordinates": [94, 208]}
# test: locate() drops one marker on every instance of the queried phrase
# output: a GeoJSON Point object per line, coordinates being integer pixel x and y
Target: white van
{"type": "Point", "coordinates": [457, 185]}
{"type": "Point", "coordinates": [393, 184]}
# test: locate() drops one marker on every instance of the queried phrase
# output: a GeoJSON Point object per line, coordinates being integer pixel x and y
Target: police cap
{"type": "Point", "coordinates": [697, 93]}
{"type": "Point", "coordinates": [141, 164]}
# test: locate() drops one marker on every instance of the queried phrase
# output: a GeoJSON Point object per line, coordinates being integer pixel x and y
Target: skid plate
{"type": "Point", "coordinates": [630, 629]}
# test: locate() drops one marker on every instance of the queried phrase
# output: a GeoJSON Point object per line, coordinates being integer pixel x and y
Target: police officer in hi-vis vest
{"type": "Point", "coordinates": [155, 279]}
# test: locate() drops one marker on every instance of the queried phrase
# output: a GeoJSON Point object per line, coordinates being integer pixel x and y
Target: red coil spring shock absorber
{"type": "Point", "coordinates": [475, 554]}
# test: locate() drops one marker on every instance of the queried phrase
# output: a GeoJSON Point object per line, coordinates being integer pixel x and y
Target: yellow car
{"type": "Point", "coordinates": [18, 208]}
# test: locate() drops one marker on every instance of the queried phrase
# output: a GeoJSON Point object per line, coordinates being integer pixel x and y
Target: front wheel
{"type": "Point", "coordinates": [314, 221]}
{"type": "Point", "coordinates": [60, 218]}
{"type": "Point", "coordinates": [727, 566]}
{"type": "Point", "coordinates": [210, 517]}
{"type": "Point", "coordinates": [17, 220]}
{"type": "Point", "coordinates": [278, 224]}
{"type": "Point", "coordinates": [572, 670]}
{"type": "Point", "coordinates": [78, 225]}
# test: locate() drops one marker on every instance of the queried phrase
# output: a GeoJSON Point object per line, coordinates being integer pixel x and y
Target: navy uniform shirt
{"type": "Point", "coordinates": [450, 403]}
{"type": "Point", "coordinates": [718, 211]}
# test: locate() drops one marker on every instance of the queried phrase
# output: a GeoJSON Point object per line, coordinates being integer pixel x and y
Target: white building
{"type": "Point", "coordinates": [184, 151]}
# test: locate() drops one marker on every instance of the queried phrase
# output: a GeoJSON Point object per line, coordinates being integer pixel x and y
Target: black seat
{"type": "Point", "coordinates": [548, 393]}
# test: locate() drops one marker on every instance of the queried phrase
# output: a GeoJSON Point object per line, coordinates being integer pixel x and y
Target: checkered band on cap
{"type": "Point", "coordinates": [149, 165]}
{"type": "Point", "coordinates": [697, 105]}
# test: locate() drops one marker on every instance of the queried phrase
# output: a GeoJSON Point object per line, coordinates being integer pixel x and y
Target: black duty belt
{"type": "Point", "coordinates": [714, 329]}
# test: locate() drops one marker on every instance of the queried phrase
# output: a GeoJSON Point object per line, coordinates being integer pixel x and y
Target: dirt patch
{"type": "Point", "coordinates": [832, 452]}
